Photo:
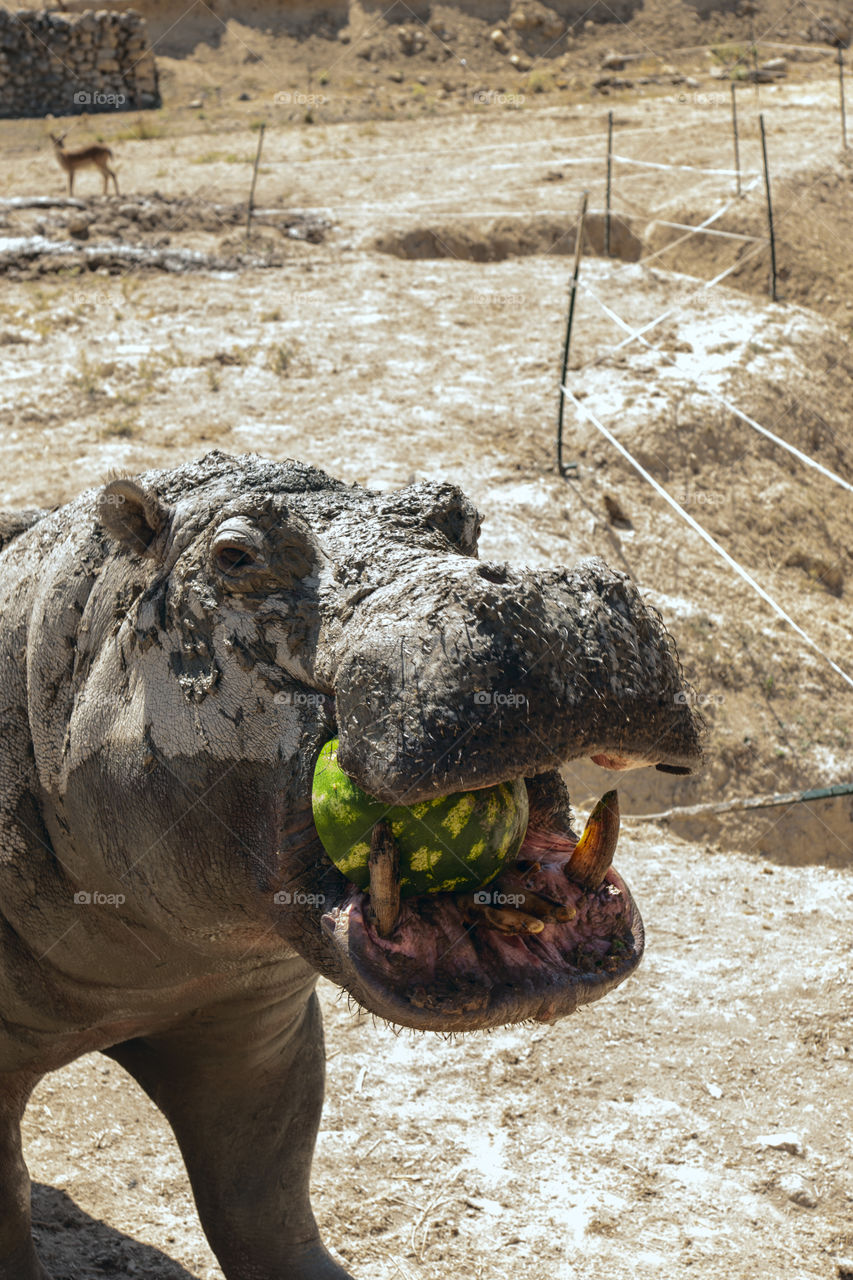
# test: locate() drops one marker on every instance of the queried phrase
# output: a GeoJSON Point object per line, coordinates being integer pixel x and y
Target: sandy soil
{"type": "Point", "coordinates": [629, 1139]}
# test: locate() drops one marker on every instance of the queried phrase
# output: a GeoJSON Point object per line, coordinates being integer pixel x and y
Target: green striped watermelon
{"type": "Point", "coordinates": [451, 844]}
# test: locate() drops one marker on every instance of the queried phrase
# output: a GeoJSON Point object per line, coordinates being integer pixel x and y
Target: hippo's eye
{"type": "Point", "coordinates": [236, 548]}
{"type": "Point", "coordinates": [231, 558]}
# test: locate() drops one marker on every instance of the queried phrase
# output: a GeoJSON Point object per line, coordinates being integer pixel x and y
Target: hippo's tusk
{"type": "Point", "coordinates": [594, 852]}
{"type": "Point", "coordinates": [384, 866]}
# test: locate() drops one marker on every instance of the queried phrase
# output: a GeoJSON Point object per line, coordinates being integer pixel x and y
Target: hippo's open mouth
{"type": "Point", "coordinates": [556, 929]}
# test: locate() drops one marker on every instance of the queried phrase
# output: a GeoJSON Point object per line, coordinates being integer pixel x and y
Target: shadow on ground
{"type": "Point", "coordinates": [74, 1246]}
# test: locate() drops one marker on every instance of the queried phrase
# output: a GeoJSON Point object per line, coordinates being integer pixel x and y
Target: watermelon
{"type": "Point", "coordinates": [451, 844]}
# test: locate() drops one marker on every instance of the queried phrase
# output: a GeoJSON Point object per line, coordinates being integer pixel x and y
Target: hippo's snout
{"type": "Point", "coordinates": [462, 674]}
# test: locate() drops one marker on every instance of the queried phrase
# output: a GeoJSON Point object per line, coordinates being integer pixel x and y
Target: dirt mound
{"type": "Point", "coordinates": [813, 218]}
{"type": "Point", "coordinates": [151, 232]}
{"type": "Point", "coordinates": [501, 238]}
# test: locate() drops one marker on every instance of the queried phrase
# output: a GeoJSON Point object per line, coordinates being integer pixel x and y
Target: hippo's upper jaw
{"type": "Point", "coordinates": [511, 675]}
{"type": "Point", "coordinates": [232, 616]}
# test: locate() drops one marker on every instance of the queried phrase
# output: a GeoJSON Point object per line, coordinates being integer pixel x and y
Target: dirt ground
{"type": "Point", "coordinates": [417, 332]}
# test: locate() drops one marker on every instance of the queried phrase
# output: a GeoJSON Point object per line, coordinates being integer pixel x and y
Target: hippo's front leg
{"type": "Point", "coordinates": [242, 1087]}
{"type": "Point", "coordinates": [18, 1259]}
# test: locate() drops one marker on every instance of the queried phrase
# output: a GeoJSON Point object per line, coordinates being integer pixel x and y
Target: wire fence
{"type": "Point", "coordinates": [733, 564]}
{"type": "Point", "coordinates": [750, 247]}
{"type": "Point", "coordinates": [744, 804]}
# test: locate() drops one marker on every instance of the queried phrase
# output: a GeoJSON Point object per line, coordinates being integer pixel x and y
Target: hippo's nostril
{"type": "Point", "coordinates": [492, 572]}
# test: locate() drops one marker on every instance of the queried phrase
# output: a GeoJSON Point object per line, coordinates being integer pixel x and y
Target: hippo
{"type": "Point", "coordinates": [177, 647]}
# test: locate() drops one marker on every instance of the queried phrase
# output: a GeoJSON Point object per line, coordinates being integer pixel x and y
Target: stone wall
{"type": "Point", "coordinates": [64, 64]}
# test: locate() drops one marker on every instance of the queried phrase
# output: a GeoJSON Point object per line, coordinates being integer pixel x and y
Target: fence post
{"type": "Point", "coordinates": [734, 132]}
{"type": "Point", "coordinates": [573, 290]}
{"type": "Point", "coordinates": [609, 173]}
{"type": "Point", "coordinates": [769, 210]}
{"type": "Point", "coordinates": [254, 180]}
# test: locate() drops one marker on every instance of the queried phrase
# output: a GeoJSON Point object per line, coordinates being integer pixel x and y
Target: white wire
{"type": "Point", "coordinates": [720, 399]}
{"type": "Point", "coordinates": [438, 153]}
{"type": "Point", "coordinates": [689, 168]}
{"type": "Point", "coordinates": [706, 284]}
{"type": "Point", "coordinates": [703, 533]}
{"type": "Point", "coordinates": [523, 164]}
{"type": "Point", "coordinates": [684, 226]}
{"type": "Point", "coordinates": [718, 213]}
{"type": "Point", "coordinates": [803, 457]}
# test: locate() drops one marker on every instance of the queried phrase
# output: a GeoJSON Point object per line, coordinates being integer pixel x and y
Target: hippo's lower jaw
{"type": "Point", "coordinates": [445, 966]}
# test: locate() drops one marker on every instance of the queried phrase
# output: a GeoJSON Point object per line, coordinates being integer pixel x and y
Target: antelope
{"type": "Point", "coordinates": [96, 157]}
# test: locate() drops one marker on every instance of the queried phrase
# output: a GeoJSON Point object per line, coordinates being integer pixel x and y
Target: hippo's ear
{"type": "Point", "coordinates": [131, 514]}
{"type": "Point", "coordinates": [454, 514]}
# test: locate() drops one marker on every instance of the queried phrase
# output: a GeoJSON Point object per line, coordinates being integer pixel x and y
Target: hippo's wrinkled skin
{"type": "Point", "coordinates": [173, 654]}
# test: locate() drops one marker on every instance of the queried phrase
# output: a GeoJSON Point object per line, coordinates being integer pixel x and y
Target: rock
{"type": "Point", "coordinates": [615, 513]}
{"type": "Point", "coordinates": [196, 104]}
{"type": "Point", "coordinates": [798, 1190]}
{"type": "Point", "coordinates": [844, 1268]}
{"type": "Point", "coordinates": [520, 63]}
{"type": "Point", "coordinates": [828, 575]}
{"type": "Point", "coordinates": [613, 62]}
{"type": "Point", "coordinates": [499, 40]}
{"type": "Point", "coordinates": [830, 30]}
{"type": "Point", "coordinates": [396, 76]}
{"type": "Point", "coordinates": [78, 228]}
{"type": "Point", "coordinates": [774, 67]}
{"type": "Point", "coordinates": [412, 40]}
{"type": "Point", "coordinates": [243, 97]}
{"type": "Point", "coordinates": [785, 1140]}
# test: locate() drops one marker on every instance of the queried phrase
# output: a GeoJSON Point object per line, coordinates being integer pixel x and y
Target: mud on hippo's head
{"type": "Point", "coordinates": [247, 611]}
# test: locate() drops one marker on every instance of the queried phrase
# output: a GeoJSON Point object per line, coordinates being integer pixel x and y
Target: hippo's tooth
{"type": "Point", "coordinates": [476, 907]}
{"type": "Point", "coordinates": [545, 909]}
{"type": "Point", "coordinates": [384, 866]}
{"type": "Point", "coordinates": [594, 851]}
{"type": "Point", "coordinates": [508, 920]}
